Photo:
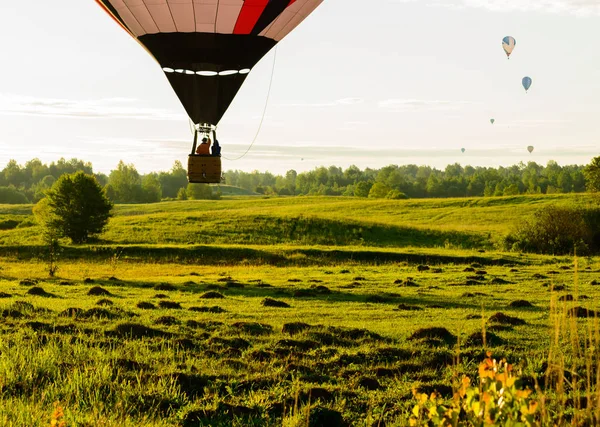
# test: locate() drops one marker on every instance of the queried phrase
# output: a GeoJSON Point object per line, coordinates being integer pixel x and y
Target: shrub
{"type": "Point", "coordinates": [11, 196]}
{"type": "Point", "coordinates": [557, 230]}
{"type": "Point", "coordinates": [75, 207]}
{"type": "Point", "coordinates": [396, 195]}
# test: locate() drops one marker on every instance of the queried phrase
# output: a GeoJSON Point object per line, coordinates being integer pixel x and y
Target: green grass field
{"type": "Point", "coordinates": [177, 316]}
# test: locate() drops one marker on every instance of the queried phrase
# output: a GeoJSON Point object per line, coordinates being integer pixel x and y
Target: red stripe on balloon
{"type": "Point", "coordinates": [249, 15]}
{"type": "Point", "coordinates": [103, 6]}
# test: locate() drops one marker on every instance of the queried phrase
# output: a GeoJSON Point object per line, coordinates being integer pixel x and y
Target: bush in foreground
{"type": "Point", "coordinates": [75, 207]}
{"type": "Point", "coordinates": [557, 230]}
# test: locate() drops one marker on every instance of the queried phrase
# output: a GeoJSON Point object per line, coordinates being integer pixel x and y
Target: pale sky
{"type": "Point", "coordinates": [365, 82]}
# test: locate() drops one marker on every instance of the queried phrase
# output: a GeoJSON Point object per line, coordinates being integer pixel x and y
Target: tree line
{"type": "Point", "coordinates": [29, 182]}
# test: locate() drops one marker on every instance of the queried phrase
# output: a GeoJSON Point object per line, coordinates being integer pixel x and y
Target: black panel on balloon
{"type": "Point", "coordinates": [206, 99]}
{"type": "Point", "coordinates": [198, 51]}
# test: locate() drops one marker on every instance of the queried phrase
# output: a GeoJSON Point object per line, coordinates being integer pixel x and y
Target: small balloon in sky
{"type": "Point", "coordinates": [508, 44]}
{"type": "Point", "coordinates": [492, 121]}
{"type": "Point", "coordinates": [527, 83]}
{"type": "Point", "coordinates": [530, 149]}
{"type": "Point", "coordinates": [463, 150]}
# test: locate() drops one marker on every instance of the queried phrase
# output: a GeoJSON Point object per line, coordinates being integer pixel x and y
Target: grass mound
{"type": "Point", "coordinates": [146, 305]}
{"type": "Point", "coordinates": [5, 295]}
{"type": "Point", "coordinates": [136, 331]}
{"type": "Point", "coordinates": [98, 291]}
{"type": "Point", "coordinates": [434, 336]}
{"type": "Point", "coordinates": [214, 309]}
{"type": "Point", "coordinates": [408, 307]}
{"type": "Point", "coordinates": [504, 319]}
{"type": "Point", "coordinates": [212, 295]}
{"type": "Point", "coordinates": [105, 302]}
{"type": "Point", "coordinates": [40, 292]}
{"type": "Point", "coordinates": [169, 305]}
{"type": "Point", "coordinates": [164, 287]}
{"type": "Point", "coordinates": [520, 303]}
{"type": "Point", "coordinates": [270, 302]}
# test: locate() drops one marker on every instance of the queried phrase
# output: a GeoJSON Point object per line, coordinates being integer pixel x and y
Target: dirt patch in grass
{"type": "Point", "coordinates": [270, 302]}
{"type": "Point", "coordinates": [144, 305]}
{"type": "Point", "coordinates": [379, 299]}
{"type": "Point", "coordinates": [521, 303]}
{"type": "Point", "coordinates": [212, 295]}
{"type": "Point", "coordinates": [170, 305]}
{"type": "Point", "coordinates": [165, 287]}
{"type": "Point", "coordinates": [368, 383]}
{"type": "Point", "coordinates": [214, 309]}
{"type": "Point", "coordinates": [408, 307]}
{"type": "Point", "coordinates": [582, 312]}
{"type": "Point", "coordinates": [434, 336]}
{"type": "Point", "coordinates": [504, 319]}
{"type": "Point", "coordinates": [253, 328]}
{"type": "Point", "coordinates": [28, 282]}
{"type": "Point", "coordinates": [161, 296]}
{"type": "Point", "coordinates": [499, 281]}
{"type": "Point", "coordinates": [98, 291]}
{"type": "Point", "coordinates": [40, 292]}
{"type": "Point", "coordinates": [5, 295]}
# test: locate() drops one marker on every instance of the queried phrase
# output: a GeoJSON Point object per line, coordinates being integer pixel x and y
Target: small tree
{"type": "Point", "coordinates": [75, 207]}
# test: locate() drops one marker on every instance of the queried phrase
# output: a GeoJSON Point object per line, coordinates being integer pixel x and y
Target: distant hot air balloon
{"type": "Point", "coordinates": [530, 149]}
{"type": "Point", "coordinates": [527, 83]}
{"type": "Point", "coordinates": [463, 150]}
{"type": "Point", "coordinates": [508, 44]}
{"type": "Point", "coordinates": [492, 121]}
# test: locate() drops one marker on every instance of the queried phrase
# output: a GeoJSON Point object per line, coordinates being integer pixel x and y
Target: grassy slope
{"type": "Point", "coordinates": [466, 223]}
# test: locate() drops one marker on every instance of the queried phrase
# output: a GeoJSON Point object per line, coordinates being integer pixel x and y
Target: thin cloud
{"type": "Point", "coordinates": [419, 105]}
{"type": "Point", "coordinates": [578, 7]}
{"type": "Point", "coordinates": [336, 103]}
{"type": "Point", "coordinates": [107, 108]}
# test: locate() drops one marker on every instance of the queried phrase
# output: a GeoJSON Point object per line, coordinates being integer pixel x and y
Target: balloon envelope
{"type": "Point", "coordinates": [492, 121]}
{"type": "Point", "coordinates": [527, 83]}
{"type": "Point", "coordinates": [508, 44]}
{"type": "Point", "coordinates": [207, 48]}
{"type": "Point", "coordinates": [463, 150]}
{"type": "Point", "coordinates": [530, 149]}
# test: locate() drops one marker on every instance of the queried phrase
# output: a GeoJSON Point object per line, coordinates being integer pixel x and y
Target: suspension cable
{"type": "Point", "coordinates": [264, 113]}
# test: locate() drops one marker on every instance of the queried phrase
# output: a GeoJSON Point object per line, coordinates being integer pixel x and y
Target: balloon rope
{"type": "Point", "coordinates": [263, 114]}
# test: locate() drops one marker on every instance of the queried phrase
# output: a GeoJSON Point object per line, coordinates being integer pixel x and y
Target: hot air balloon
{"type": "Point", "coordinates": [530, 149]}
{"type": "Point", "coordinates": [527, 83]}
{"type": "Point", "coordinates": [206, 49]}
{"type": "Point", "coordinates": [463, 150]}
{"type": "Point", "coordinates": [508, 44]}
{"type": "Point", "coordinates": [492, 121]}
